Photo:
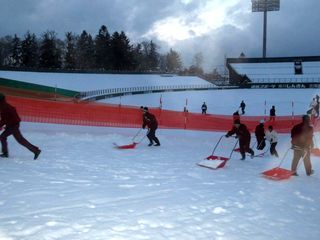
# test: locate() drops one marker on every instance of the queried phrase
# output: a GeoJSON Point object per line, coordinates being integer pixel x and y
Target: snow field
{"type": "Point", "coordinates": [84, 188]}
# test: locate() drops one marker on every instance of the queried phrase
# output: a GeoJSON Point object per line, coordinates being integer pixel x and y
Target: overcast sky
{"type": "Point", "coordinates": [216, 28]}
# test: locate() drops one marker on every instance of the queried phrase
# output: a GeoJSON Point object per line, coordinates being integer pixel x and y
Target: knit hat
{"type": "Point", "coordinates": [262, 121]}
{"type": "Point", "coordinates": [305, 118]}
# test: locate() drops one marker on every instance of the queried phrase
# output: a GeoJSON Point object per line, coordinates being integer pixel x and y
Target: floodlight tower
{"type": "Point", "coordinates": [265, 6]}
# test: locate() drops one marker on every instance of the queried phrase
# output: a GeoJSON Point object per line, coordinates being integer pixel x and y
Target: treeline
{"type": "Point", "coordinates": [103, 52]}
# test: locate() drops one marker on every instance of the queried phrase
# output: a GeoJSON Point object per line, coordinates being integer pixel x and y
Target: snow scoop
{"type": "Point", "coordinates": [219, 161]}
{"type": "Point", "coordinates": [132, 145]}
{"type": "Point", "coordinates": [315, 151]}
{"type": "Point", "coordinates": [278, 173]}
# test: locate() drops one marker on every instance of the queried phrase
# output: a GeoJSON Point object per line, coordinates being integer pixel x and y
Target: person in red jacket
{"type": "Point", "coordinates": [11, 120]}
{"type": "Point", "coordinates": [150, 121]}
{"type": "Point", "coordinates": [244, 136]}
{"type": "Point", "coordinates": [301, 135]}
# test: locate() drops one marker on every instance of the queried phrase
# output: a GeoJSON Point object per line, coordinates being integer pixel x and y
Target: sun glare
{"type": "Point", "coordinates": [212, 15]}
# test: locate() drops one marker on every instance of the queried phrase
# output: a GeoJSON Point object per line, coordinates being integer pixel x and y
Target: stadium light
{"type": "Point", "coordinates": [265, 6]}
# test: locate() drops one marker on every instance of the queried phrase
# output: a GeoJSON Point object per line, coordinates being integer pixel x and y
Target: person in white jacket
{"type": "Point", "coordinates": [272, 137]}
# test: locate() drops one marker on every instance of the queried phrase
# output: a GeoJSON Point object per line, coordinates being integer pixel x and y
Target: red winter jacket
{"type": "Point", "coordinates": [149, 120]}
{"type": "Point", "coordinates": [9, 115]}
{"type": "Point", "coordinates": [242, 133]}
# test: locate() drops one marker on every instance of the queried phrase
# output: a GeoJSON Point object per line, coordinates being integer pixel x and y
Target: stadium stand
{"type": "Point", "coordinates": [289, 72]}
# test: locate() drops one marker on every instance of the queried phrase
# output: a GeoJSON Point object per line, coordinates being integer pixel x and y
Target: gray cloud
{"type": "Point", "coordinates": [292, 31]}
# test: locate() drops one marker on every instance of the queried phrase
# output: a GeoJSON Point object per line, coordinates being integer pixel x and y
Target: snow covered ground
{"type": "Point", "coordinates": [228, 101]}
{"type": "Point", "coordinates": [88, 82]}
{"type": "Point", "coordinates": [83, 188]}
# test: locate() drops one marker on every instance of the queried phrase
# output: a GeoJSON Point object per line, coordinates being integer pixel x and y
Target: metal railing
{"type": "Point", "coordinates": [114, 92]}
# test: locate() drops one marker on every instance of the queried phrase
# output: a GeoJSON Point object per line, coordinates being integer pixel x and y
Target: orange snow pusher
{"type": "Point", "coordinates": [279, 173]}
{"type": "Point", "coordinates": [315, 151]}
{"type": "Point", "coordinates": [131, 145]}
{"type": "Point", "coordinates": [215, 161]}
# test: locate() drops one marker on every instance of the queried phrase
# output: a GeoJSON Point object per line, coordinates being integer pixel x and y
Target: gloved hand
{"type": "Point", "coordinates": [236, 136]}
{"type": "Point", "coordinates": [227, 136]}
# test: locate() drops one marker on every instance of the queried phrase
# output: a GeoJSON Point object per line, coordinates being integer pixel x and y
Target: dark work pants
{"type": "Point", "coordinates": [15, 131]}
{"type": "Point", "coordinates": [152, 135]}
{"type": "Point", "coordinates": [261, 143]}
{"type": "Point", "coordinates": [273, 150]}
{"type": "Point", "coordinates": [245, 147]}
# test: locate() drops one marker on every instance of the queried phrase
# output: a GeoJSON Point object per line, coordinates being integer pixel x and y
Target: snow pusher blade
{"type": "Point", "coordinates": [277, 174]}
{"type": "Point", "coordinates": [214, 161]}
{"type": "Point", "coordinates": [208, 163]}
{"type": "Point", "coordinates": [129, 146]}
{"type": "Point", "coordinates": [315, 151]}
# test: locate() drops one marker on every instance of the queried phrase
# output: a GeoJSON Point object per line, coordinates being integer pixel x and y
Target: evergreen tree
{"type": "Point", "coordinates": [16, 57]}
{"type": "Point", "coordinates": [70, 54]}
{"type": "Point", "coordinates": [153, 57]}
{"type": "Point", "coordinates": [102, 49]}
{"type": "Point", "coordinates": [29, 51]}
{"type": "Point", "coordinates": [85, 51]}
{"type": "Point", "coordinates": [50, 54]}
{"type": "Point", "coordinates": [174, 63]}
{"type": "Point", "coordinates": [150, 56]}
{"type": "Point", "coordinates": [5, 50]}
{"type": "Point", "coordinates": [138, 58]}
{"type": "Point", "coordinates": [121, 52]}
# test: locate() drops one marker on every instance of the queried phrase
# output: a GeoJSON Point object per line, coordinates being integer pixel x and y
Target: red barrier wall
{"type": "Point", "coordinates": [96, 114]}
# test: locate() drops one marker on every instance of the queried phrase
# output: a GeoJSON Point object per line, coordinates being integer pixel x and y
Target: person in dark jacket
{"type": "Point", "coordinates": [244, 137]}
{"type": "Point", "coordinates": [272, 114]}
{"type": "Point", "coordinates": [150, 121]}
{"type": "Point", "coordinates": [243, 107]}
{"type": "Point", "coordinates": [301, 140]}
{"type": "Point", "coordinates": [11, 120]}
{"type": "Point", "coordinates": [260, 135]}
{"type": "Point", "coordinates": [204, 108]}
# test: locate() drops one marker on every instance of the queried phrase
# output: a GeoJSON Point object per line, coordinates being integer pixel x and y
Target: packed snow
{"type": "Point", "coordinates": [87, 82]}
{"type": "Point", "coordinates": [82, 187]}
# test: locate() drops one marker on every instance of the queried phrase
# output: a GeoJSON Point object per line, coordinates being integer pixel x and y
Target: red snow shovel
{"type": "Point", "coordinates": [132, 145]}
{"type": "Point", "coordinates": [315, 151]}
{"type": "Point", "coordinates": [219, 161]}
{"type": "Point", "coordinates": [278, 173]}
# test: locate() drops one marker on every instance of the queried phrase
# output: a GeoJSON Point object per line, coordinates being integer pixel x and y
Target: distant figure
{"type": "Point", "coordinates": [260, 135]}
{"type": "Point", "coordinates": [313, 108]}
{"type": "Point", "coordinates": [272, 137]}
{"type": "Point", "coordinates": [150, 121]}
{"type": "Point", "coordinates": [204, 108]}
{"type": "Point", "coordinates": [272, 114]}
{"type": "Point", "coordinates": [317, 105]}
{"type": "Point", "coordinates": [185, 109]}
{"type": "Point", "coordinates": [11, 119]}
{"type": "Point", "coordinates": [244, 136]}
{"type": "Point", "coordinates": [301, 135]}
{"type": "Point", "coordinates": [243, 107]}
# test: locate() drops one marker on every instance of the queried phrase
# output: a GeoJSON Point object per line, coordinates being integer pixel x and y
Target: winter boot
{"type": "Point", "coordinates": [150, 144]}
{"type": "Point", "coordinates": [157, 145]}
{"type": "Point", "coordinates": [4, 155]}
{"type": "Point", "coordinates": [36, 154]}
